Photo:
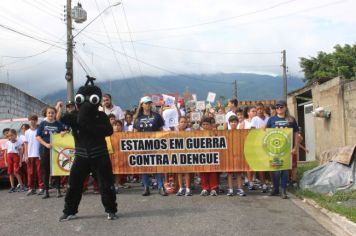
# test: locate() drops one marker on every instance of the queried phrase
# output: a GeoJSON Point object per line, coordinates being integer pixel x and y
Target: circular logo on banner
{"type": "Point", "coordinates": [267, 150]}
{"type": "Point", "coordinates": [65, 159]}
{"type": "Point", "coordinates": [276, 143]}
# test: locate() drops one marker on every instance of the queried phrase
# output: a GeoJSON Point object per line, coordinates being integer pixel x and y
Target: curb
{"type": "Point", "coordinates": [333, 222]}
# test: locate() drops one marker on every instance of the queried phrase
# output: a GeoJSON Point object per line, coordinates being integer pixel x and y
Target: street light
{"type": "Point", "coordinates": [70, 37]}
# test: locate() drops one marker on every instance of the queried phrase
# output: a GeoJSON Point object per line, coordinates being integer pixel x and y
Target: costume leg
{"type": "Point", "coordinates": [78, 173]}
{"type": "Point", "coordinates": [102, 169]}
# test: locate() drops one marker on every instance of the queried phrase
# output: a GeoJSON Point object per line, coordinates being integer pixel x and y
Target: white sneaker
{"type": "Point", "coordinates": [66, 217]}
{"type": "Point", "coordinates": [112, 216]}
{"type": "Point", "coordinates": [240, 192]}
{"type": "Point", "coordinates": [204, 193]}
{"type": "Point", "coordinates": [213, 193]}
{"type": "Point", "coordinates": [230, 193]}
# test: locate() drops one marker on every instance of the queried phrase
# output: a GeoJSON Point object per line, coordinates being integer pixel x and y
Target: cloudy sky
{"type": "Point", "coordinates": [160, 37]}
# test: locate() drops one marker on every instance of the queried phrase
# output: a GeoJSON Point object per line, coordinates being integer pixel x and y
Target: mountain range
{"type": "Point", "coordinates": [127, 92]}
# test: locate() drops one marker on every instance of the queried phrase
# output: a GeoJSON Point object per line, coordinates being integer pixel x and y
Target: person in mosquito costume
{"type": "Point", "coordinates": [89, 128]}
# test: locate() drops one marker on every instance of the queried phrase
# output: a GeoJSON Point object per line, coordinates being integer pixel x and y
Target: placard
{"type": "Point", "coordinates": [168, 100]}
{"type": "Point", "coordinates": [195, 116]}
{"type": "Point", "coordinates": [200, 105]}
{"type": "Point", "coordinates": [211, 97]}
{"type": "Point", "coordinates": [220, 118]}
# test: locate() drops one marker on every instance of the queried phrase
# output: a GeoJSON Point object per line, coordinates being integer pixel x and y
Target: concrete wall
{"type": "Point", "coordinates": [339, 97]}
{"type": "Point", "coordinates": [15, 103]}
{"type": "Point", "coordinates": [350, 112]}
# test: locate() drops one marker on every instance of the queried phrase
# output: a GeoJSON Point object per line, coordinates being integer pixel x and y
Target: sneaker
{"type": "Point", "coordinates": [251, 186]}
{"type": "Point", "coordinates": [117, 190]}
{"type": "Point", "coordinates": [112, 216]}
{"type": "Point", "coordinates": [274, 193]}
{"type": "Point", "coordinates": [66, 217]}
{"type": "Point", "coordinates": [21, 188]}
{"type": "Point", "coordinates": [31, 192]}
{"type": "Point", "coordinates": [284, 194]}
{"type": "Point", "coordinates": [240, 192]}
{"type": "Point", "coordinates": [264, 188]}
{"type": "Point", "coordinates": [162, 192]}
{"type": "Point", "coordinates": [41, 192]}
{"type": "Point", "coordinates": [204, 193]}
{"type": "Point", "coordinates": [230, 193]}
{"type": "Point", "coordinates": [180, 192]}
{"type": "Point", "coordinates": [213, 193]}
{"type": "Point", "coordinates": [188, 193]}
{"type": "Point", "coordinates": [12, 190]}
{"type": "Point", "coordinates": [46, 195]}
{"type": "Point", "coordinates": [146, 192]}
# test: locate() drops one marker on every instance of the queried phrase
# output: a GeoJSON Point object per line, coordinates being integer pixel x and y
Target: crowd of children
{"type": "Point", "coordinates": [27, 155]}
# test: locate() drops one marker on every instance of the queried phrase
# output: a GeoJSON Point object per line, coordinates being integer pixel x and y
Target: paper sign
{"type": "Point", "coordinates": [211, 97]}
{"type": "Point", "coordinates": [195, 116]}
{"type": "Point", "coordinates": [170, 117]}
{"type": "Point", "coordinates": [200, 105]}
{"type": "Point", "coordinates": [220, 118]}
{"type": "Point", "coordinates": [168, 100]}
{"type": "Point", "coordinates": [155, 99]}
{"type": "Point", "coordinates": [194, 96]}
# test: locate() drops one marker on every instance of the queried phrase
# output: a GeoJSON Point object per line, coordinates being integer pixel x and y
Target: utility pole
{"type": "Point", "coordinates": [69, 63]}
{"type": "Point", "coordinates": [284, 66]}
{"type": "Point", "coordinates": [235, 89]}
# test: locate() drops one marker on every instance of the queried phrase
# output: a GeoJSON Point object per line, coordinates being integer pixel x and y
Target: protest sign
{"type": "Point", "coordinates": [62, 153]}
{"type": "Point", "coordinates": [194, 96]}
{"type": "Point", "coordinates": [211, 97]}
{"type": "Point", "coordinates": [187, 152]}
{"type": "Point", "coordinates": [195, 116]}
{"type": "Point", "coordinates": [220, 118]}
{"type": "Point", "coordinates": [168, 100]}
{"type": "Point", "coordinates": [200, 105]}
{"type": "Point", "coordinates": [170, 117]}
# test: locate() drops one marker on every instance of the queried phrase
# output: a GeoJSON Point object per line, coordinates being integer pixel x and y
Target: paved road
{"type": "Point", "coordinates": [255, 214]}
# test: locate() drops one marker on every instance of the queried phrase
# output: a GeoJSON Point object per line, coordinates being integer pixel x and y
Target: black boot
{"type": "Point", "coordinates": [146, 192]}
{"type": "Point", "coordinates": [46, 194]}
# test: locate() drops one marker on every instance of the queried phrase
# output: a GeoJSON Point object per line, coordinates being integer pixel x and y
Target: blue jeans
{"type": "Point", "coordinates": [280, 176]}
{"type": "Point", "coordinates": [146, 180]}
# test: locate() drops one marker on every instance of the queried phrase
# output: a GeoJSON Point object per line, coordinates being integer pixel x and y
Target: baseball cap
{"type": "Point", "coordinates": [281, 103]}
{"type": "Point", "coordinates": [70, 103]}
{"type": "Point", "coordinates": [145, 99]}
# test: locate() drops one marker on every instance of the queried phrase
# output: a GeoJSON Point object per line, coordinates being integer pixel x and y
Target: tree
{"type": "Point", "coordinates": [341, 62]}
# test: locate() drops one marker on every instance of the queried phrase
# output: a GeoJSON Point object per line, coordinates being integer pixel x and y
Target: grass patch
{"type": "Point", "coordinates": [331, 203]}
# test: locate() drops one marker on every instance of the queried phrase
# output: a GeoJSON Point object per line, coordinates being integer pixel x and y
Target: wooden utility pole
{"type": "Point", "coordinates": [284, 66]}
{"type": "Point", "coordinates": [69, 63]}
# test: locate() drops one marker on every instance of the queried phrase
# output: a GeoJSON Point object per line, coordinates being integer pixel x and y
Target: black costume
{"type": "Point", "coordinates": [89, 128]}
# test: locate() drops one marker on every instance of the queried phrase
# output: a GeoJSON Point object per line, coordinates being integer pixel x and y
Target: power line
{"type": "Point", "coordinates": [209, 52]}
{"type": "Point", "coordinates": [42, 9]}
{"type": "Point", "coordinates": [29, 36]}
{"type": "Point", "coordinates": [218, 20]}
{"type": "Point", "coordinates": [131, 38]}
{"type": "Point", "coordinates": [153, 66]}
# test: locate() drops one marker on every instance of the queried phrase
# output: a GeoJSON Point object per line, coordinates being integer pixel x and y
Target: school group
{"type": "Point", "coordinates": [27, 153]}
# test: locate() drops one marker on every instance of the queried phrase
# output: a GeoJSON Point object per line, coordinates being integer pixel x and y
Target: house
{"type": "Point", "coordinates": [337, 96]}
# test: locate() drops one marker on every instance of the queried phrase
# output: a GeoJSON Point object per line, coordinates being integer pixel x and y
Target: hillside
{"type": "Point", "coordinates": [127, 92]}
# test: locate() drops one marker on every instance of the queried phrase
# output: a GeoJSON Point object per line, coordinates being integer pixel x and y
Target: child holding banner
{"type": "Point", "coordinates": [209, 181]}
{"type": "Point", "coordinates": [283, 120]}
{"type": "Point", "coordinates": [233, 121]}
{"type": "Point", "coordinates": [182, 126]}
{"type": "Point", "coordinates": [44, 131]}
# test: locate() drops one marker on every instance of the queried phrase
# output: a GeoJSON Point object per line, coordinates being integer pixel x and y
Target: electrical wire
{"type": "Point", "coordinates": [42, 9]}
{"type": "Point", "coordinates": [29, 36]}
{"type": "Point", "coordinates": [151, 65]}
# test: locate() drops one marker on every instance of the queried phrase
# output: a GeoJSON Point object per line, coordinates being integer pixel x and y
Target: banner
{"type": "Point", "coordinates": [62, 153]}
{"type": "Point", "coordinates": [188, 152]}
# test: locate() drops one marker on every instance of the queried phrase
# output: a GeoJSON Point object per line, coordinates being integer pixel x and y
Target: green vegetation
{"type": "Point", "coordinates": [341, 62]}
{"type": "Point", "coordinates": [331, 203]}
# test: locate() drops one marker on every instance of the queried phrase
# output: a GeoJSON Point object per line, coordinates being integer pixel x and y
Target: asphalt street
{"type": "Point", "coordinates": [256, 214]}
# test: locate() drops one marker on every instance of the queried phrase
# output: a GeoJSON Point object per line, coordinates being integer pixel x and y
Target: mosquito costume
{"type": "Point", "coordinates": [89, 128]}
